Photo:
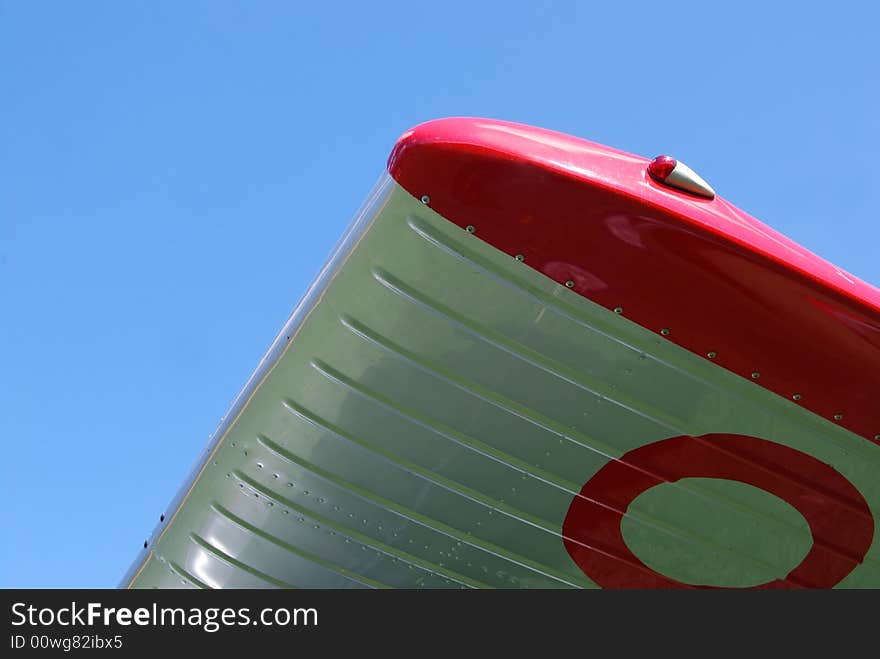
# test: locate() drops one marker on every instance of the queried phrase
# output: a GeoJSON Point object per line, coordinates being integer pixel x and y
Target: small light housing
{"type": "Point", "coordinates": [661, 167]}
{"type": "Point", "coordinates": [673, 173]}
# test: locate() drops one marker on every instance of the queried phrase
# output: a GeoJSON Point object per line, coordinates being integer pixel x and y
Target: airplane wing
{"type": "Point", "coordinates": [534, 361]}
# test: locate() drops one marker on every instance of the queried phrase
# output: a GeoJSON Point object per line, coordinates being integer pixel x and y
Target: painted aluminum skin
{"type": "Point", "coordinates": [454, 405]}
{"type": "Point", "coordinates": [717, 279]}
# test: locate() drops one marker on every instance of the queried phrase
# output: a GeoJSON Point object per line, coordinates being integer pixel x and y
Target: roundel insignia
{"type": "Point", "coordinates": [839, 519]}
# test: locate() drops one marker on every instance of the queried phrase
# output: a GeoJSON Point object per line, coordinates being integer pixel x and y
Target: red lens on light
{"type": "Point", "coordinates": [661, 167]}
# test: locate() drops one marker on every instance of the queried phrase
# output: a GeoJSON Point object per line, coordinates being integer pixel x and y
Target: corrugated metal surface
{"type": "Point", "coordinates": [436, 410]}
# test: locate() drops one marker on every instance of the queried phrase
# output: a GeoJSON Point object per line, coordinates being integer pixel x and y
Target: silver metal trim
{"type": "Point", "coordinates": [684, 178]}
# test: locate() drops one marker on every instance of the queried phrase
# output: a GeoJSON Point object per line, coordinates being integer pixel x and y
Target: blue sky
{"type": "Point", "coordinates": [172, 175]}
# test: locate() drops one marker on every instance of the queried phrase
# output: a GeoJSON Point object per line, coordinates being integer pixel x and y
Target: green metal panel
{"type": "Point", "coordinates": [433, 414]}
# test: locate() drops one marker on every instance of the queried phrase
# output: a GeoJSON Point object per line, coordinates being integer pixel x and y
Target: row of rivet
{"type": "Point", "coordinates": [664, 331]}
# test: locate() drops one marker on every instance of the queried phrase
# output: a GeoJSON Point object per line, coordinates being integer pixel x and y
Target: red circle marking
{"type": "Point", "coordinates": [839, 517]}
